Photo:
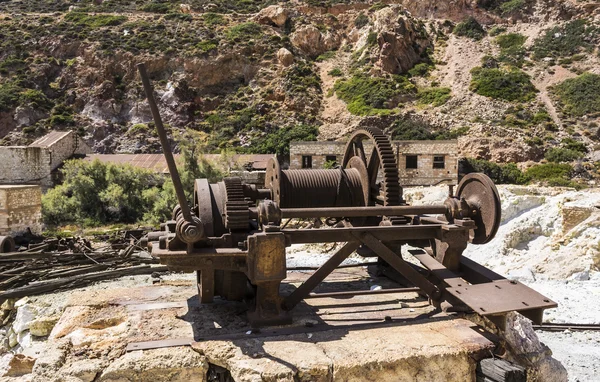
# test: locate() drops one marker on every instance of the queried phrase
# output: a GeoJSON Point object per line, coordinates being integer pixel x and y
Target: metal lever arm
{"type": "Point", "coordinates": [162, 134]}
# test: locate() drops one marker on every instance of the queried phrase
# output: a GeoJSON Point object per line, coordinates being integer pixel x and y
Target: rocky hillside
{"type": "Point", "coordinates": [515, 80]}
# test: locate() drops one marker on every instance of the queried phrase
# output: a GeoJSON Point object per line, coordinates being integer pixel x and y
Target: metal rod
{"type": "Point", "coordinates": [363, 292]}
{"type": "Point", "coordinates": [390, 233]}
{"type": "Point", "coordinates": [339, 267]}
{"type": "Point", "coordinates": [340, 212]}
{"type": "Point", "coordinates": [162, 134]}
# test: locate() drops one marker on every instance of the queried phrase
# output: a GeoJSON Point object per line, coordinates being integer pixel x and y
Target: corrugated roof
{"type": "Point", "coordinates": [50, 138]}
{"type": "Point", "coordinates": [157, 162]}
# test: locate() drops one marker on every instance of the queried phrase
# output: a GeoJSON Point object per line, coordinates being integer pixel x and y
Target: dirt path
{"type": "Point", "coordinates": [337, 120]}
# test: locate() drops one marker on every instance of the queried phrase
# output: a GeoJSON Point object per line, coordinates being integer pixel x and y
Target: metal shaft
{"type": "Point", "coordinates": [164, 142]}
{"type": "Point", "coordinates": [340, 212]}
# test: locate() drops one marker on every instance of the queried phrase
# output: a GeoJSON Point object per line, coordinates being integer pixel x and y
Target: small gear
{"type": "Point", "coordinates": [237, 214]}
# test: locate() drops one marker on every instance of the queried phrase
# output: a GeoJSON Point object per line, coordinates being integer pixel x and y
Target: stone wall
{"type": "Point", "coordinates": [20, 208]}
{"type": "Point", "coordinates": [33, 164]}
{"type": "Point", "coordinates": [423, 175]}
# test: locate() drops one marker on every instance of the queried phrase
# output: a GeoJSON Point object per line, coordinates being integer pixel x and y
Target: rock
{"type": "Point", "coordinates": [524, 275]}
{"type": "Point", "coordinates": [285, 57]}
{"type": "Point", "coordinates": [85, 370]}
{"type": "Point", "coordinates": [19, 365]}
{"type": "Point", "coordinates": [28, 115]}
{"type": "Point", "coordinates": [272, 15]}
{"type": "Point", "coordinates": [169, 364]}
{"type": "Point", "coordinates": [526, 348]}
{"type": "Point", "coordinates": [42, 326]}
{"type": "Point", "coordinates": [24, 339]}
{"type": "Point", "coordinates": [309, 40]}
{"type": "Point", "coordinates": [12, 338]}
{"type": "Point", "coordinates": [573, 215]}
{"type": "Point", "coordinates": [581, 276]}
{"type": "Point", "coordinates": [25, 315]}
{"type": "Point", "coordinates": [185, 8]}
{"type": "Point", "coordinates": [51, 360]}
{"type": "Point", "coordinates": [402, 41]}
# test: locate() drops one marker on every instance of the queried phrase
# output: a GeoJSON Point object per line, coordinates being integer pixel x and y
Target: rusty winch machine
{"type": "Point", "coordinates": [233, 237]}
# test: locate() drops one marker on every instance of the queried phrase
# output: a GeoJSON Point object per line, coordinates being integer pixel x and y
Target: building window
{"type": "Point", "coordinates": [306, 161]}
{"type": "Point", "coordinates": [438, 162]}
{"type": "Point", "coordinates": [411, 161]}
{"type": "Point", "coordinates": [331, 160]}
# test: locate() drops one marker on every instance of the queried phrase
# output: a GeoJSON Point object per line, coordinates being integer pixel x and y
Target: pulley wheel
{"type": "Point", "coordinates": [7, 244]}
{"type": "Point", "coordinates": [482, 196]}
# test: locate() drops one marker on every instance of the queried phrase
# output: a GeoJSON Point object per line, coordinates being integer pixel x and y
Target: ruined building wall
{"type": "Point", "coordinates": [418, 170]}
{"type": "Point", "coordinates": [20, 208]}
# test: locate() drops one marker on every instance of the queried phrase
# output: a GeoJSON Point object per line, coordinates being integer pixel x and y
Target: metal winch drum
{"type": "Point", "coordinates": [233, 237]}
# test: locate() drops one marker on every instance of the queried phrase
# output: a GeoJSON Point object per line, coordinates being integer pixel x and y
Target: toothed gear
{"type": "Point", "coordinates": [392, 192]}
{"type": "Point", "coordinates": [237, 214]}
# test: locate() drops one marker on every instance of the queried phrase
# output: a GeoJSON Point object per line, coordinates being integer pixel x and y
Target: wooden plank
{"type": "Point", "coordinates": [500, 370]}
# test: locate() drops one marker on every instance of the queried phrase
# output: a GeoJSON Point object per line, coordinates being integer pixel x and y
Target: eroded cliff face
{"type": "Point", "coordinates": [234, 78]}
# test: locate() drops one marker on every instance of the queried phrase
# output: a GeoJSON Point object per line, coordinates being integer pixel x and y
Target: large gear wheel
{"type": "Point", "coordinates": [382, 158]}
{"type": "Point", "coordinates": [237, 214]}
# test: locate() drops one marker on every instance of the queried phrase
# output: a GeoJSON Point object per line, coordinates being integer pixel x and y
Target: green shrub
{"type": "Point", "coordinates": [496, 30]}
{"type": "Point", "coordinates": [9, 96]}
{"type": "Point", "coordinates": [35, 98]}
{"type": "Point", "coordinates": [469, 28]}
{"type": "Point", "coordinates": [300, 77]}
{"type": "Point", "coordinates": [554, 174]}
{"type": "Point", "coordinates": [325, 56]}
{"type": "Point", "coordinates": [212, 19]}
{"type": "Point", "coordinates": [509, 85]}
{"type": "Point", "coordinates": [500, 173]}
{"type": "Point", "coordinates": [512, 6]}
{"type": "Point", "coordinates": [366, 95]}
{"type": "Point", "coordinates": [420, 70]}
{"type": "Point", "coordinates": [206, 46]}
{"type": "Point", "coordinates": [155, 8]}
{"type": "Point", "coordinates": [511, 48]}
{"type": "Point", "coordinates": [94, 21]}
{"type": "Point", "coordinates": [244, 31]}
{"type": "Point", "coordinates": [335, 72]}
{"type": "Point", "coordinates": [560, 155]}
{"type": "Point", "coordinates": [408, 129]}
{"type": "Point", "coordinates": [434, 96]}
{"type": "Point", "coordinates": [579, 96]}
{"type": "Point", "coordinates": [565, 40]}
{"type": "Point", "coordinates": [361, 20]}
{"type": "Point", "coordinates": [278, 142]}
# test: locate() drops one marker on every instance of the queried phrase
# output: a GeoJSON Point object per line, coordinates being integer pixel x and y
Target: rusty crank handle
{"type": "Point", "coordinates": [190, 228]}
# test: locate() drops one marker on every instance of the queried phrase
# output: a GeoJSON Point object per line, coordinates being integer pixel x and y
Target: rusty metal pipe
{"type": "Point", "coordinates": [162, 134]}
{"type": "Point", "coordinates": [340, 212]}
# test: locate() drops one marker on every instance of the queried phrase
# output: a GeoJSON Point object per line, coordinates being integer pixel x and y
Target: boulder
{"type": "Point", "coordinates": [285, 57]}
{"type": "Point", "coordinates": [272, 15]}
{"type": "Point", "coordinates": [310, 41]}
{"type": "Point", "coordinates": [20, 365]}
{"type": "Point", "coordinates": [42, 326]}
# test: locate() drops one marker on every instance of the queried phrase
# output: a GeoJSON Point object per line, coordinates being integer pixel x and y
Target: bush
{"type": "Point", "coordinates": [361, 20]}
{"type": "Point", "coordinates": [560, 155]}
{"type": "Point", "coordinates": [35, 98]}
{"type": "Point", "coordinates": [565, 40]}
{"type": "Point", "coordinates": [335, 72]}
{"type": "Point", "coordinates": [278, 142]}
{"type": "Point", "coordinates": [550, 171]}
{"type": "Point", "coordinates": [97, 193]}
{"type": "Point", "coordinates": [420, 70]}
{"type": "Point", "coordinates": [244, 31]}
{"type": "Point", "coordinates": [579, 96]}
{"type": "Point", "coordinates": [511, 6]}
{"type": "Point", "coordinates": [500, 173]}
{"type": "Point", "coordinates": [511, 48]}
{"type": "Point", "coordinates": [212, 19]}
{"type": "Point", "coordinates": [155, 8]}
{"type": "Point", "coordinates": [469, 28]}
{"type": "Point", "coordinates": [367, 95]}
{"type": "Point", "coordinates": [206, 46]}
{"type": "Point", "coordinates": [509, 85]}
{"type": "Point", "coordinates": [434, 96]}
{"type": "Point", "coordinates": [408, 129]}
{"type": "Point", "coordinates": [94, 21]}
{"type": "Point", "coordinates": [325, 56]}
{"type": "Point", "coordinates": [9, 96]}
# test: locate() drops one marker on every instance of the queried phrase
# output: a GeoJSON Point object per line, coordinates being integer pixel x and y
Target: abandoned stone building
{"type": "Point", "coordinates": [34, 164]}
{"type": "Point", "coordinates": [20, 209]}
{"type": "Point", "coordinates": [420, 163]}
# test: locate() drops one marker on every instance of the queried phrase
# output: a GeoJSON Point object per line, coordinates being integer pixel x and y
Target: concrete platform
{"type": "Point", "coordinates": [387, 337]}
